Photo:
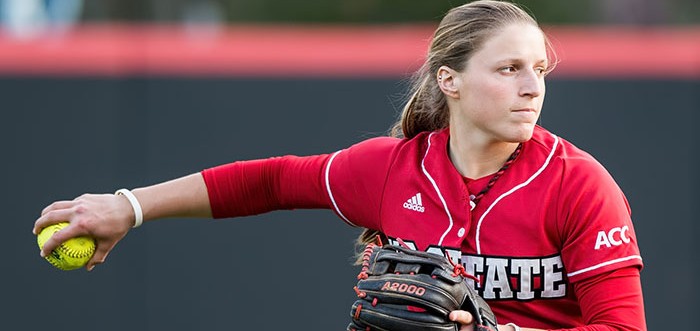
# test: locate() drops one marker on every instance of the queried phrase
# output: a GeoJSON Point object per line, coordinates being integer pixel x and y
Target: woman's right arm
{"type": "Point", "coordinates": [230, 190]}
{"type": "Point", "coordinates": [108, 218]}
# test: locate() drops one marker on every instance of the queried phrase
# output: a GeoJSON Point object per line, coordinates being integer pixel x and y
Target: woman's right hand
{"type": "Point", "coordinates": [105, 217]}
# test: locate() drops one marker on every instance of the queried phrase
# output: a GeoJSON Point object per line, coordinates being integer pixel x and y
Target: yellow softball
{"type": "Point", "coordinates": [72, 254]}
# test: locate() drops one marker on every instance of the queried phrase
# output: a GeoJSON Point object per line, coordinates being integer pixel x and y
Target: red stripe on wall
{"type": "Point", "coordinates": [322, 51]}
{"type": "Point", "coordinates": [627, 52]}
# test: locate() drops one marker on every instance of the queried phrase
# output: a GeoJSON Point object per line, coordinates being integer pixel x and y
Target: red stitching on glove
{"type": "Point", "coordinates": [402, 243]}
{"type": "Point", "coordinates": [357, 312]}
{"type": "Point", "coordinates": [366, 255]}
{"type": "Point", "coordinates": [459, 269]}
{"type": "Point", "coordinates": [360, 294]}
{"type": "Point", "coordinates": [416, 309]}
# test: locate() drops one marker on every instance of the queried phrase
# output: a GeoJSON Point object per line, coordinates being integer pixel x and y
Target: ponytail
{"type": "Point", "coordinates": [426, 108]}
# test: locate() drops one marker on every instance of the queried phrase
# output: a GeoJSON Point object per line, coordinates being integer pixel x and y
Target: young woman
{"type": "Point", "coordinates": [540, 223]}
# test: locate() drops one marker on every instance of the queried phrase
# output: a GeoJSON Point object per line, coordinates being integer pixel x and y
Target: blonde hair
{"type": "Point", "coordinates": [461, 32]}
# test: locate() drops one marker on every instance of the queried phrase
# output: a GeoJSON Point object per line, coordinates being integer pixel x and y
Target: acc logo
{"type": "Point", "coordinates": [615, 237]}
{"type": "Point", "coordinates": [403, 288]}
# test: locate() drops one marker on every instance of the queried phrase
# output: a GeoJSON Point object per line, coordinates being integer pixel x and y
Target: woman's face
{"type": "Point", "coordinates": [501, 90]}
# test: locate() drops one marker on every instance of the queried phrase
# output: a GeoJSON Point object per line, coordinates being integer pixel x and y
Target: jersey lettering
{"type": "Point", "coordinates": [502, 278]}
{"type": "Point", "coordinates": [527, 269]}
{"type": "Point", "coordinates": [508, 278]}
{"type": "Point", "coordinates": [454, 254]}
{"type": "Point", "coordinates": [497, 279]}
{"type": "Point", "coordinates": [615, 237]}
{"type": "Point", "coordinates": [553, 277]}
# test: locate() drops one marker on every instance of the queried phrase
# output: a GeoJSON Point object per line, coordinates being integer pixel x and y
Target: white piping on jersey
{"type": "Point", "coordinates": [600, 265]}
{"type": "Point", "coordinates": [444, 204]}
{"type": "Point", "coordinates": [517, 187]}
{"type": "Point", "coordinates": [330, 194]}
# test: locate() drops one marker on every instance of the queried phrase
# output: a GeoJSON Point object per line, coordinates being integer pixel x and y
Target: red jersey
{"type": "Point", "coordinates": [554, 218]}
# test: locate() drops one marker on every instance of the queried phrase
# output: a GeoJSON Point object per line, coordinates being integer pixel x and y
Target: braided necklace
{"type": "Point", "coordinates": [474, 199]}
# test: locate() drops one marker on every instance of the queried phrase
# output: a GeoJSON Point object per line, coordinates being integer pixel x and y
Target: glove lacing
{"type": "Point", "coordinates": [459, 269]}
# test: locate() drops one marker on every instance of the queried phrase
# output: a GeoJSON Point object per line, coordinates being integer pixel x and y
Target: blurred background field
{"type": "Point", "coordinates": [27, 16]}
{"type": "Point", "coordinates": [100, 95]}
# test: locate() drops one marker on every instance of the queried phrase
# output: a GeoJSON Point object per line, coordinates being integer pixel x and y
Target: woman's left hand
{"type": "Point", "coordinates": [466, 321]}
{"type": "Point", "coordinates": [464, 318]}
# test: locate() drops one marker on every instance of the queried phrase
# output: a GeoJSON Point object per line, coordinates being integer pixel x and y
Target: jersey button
{"type": "Point", "coordinates": [460, 233]}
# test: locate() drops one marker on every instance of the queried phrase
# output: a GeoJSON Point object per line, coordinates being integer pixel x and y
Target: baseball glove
{"type": "Point", "coordinates": [404, 289]}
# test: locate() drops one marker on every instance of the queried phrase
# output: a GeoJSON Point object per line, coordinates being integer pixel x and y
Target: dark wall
{"type": "Point", "coordinates": [62, 137]}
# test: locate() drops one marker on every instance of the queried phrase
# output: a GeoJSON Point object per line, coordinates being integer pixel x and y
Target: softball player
{"type": "Point", "coordinates": [540, 223]}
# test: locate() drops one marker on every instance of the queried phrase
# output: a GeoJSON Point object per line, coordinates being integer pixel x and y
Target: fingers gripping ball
{"type": "Point", "coordinates": [72, 254]}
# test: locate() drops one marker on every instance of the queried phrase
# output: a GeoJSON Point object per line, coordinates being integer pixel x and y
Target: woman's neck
{"type": "Point", "coordinates": [474, 158]}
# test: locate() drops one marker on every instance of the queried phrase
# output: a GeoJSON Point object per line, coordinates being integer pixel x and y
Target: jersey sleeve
{"type": "Point", "coordinates": [355, 180]}
{"type": "Point", "coordinates": [596, 225]}
{"type": "Point", "coordinates": [350, 182]}
{"type": "Point", "coordinates": [611, 301]}
{"type": "Point", "coordinates": [257, 186]}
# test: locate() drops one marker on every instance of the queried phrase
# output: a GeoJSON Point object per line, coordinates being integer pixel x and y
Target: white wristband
{"type": "Point", "coordinates": [515, 327]}
{"type": "Point", "coordinates": [138, 212]}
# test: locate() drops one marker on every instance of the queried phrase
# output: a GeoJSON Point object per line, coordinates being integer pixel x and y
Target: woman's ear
{"type": "Point", "coordinates": [448, 81]}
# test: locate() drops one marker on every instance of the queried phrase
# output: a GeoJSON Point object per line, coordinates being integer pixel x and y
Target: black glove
{"type": "Point", "coordinates": [400, 289]}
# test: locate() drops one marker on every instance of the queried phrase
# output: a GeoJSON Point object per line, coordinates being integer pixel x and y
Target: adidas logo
{"type": "Point", "coordinates": [414, 203]}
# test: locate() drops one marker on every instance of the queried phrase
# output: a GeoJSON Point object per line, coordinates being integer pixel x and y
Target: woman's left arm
{"type": "Point", "coordinates": [610, 301]}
